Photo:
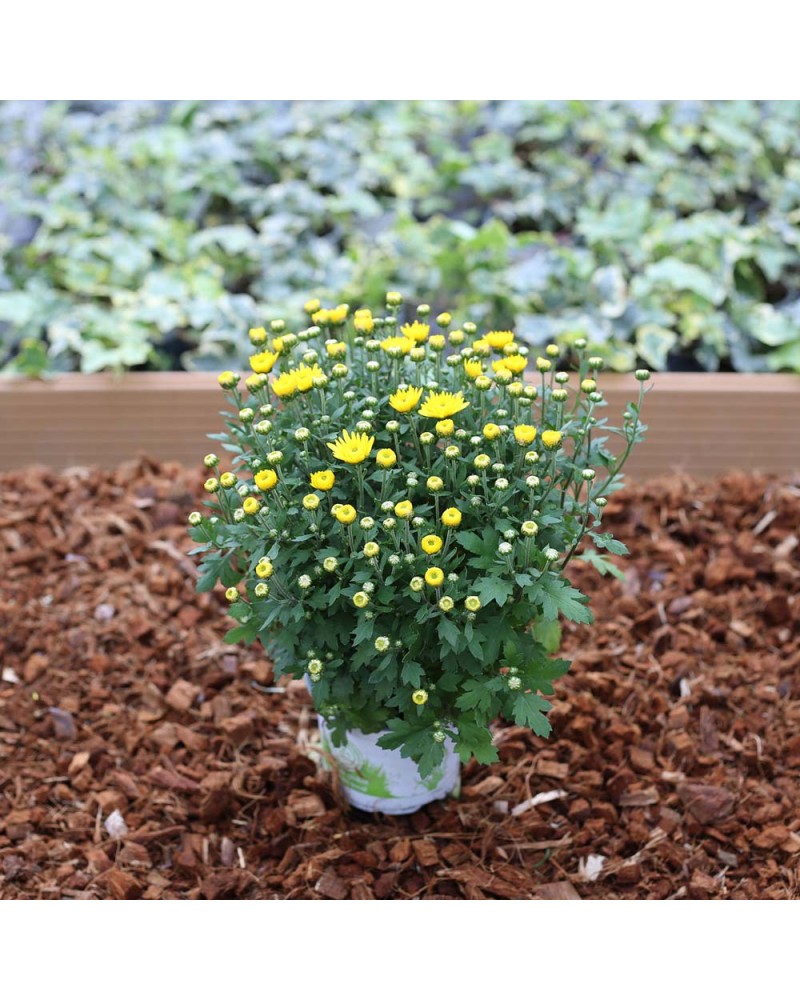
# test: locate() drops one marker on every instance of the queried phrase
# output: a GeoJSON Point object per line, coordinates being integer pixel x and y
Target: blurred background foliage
{"type": "Point", "coordinates": [143, 235]}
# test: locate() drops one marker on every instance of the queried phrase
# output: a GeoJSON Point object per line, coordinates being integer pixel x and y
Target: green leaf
{"type": "Point", "coordinates": [411, 673]}
{"type": "Point", "coordinates": [475, 740]}
{"type": "Point", "coordinates": [414, 742]}
{"type": "Point", "coordinates": [364, 631]}
{"type": "Point", "coordinates": [476, 696]}
{"type": "Point", "coordinates": [653, 343]}
{"type": "Point", "coordinates": [558, 597]}
{"type": "Point", "coordinates": [540, 674]}
{"type": "Point", "coordinates": [471, 542]}
{"type": "Point", "coordinates": [609, 543]}
{"type": "Point", "coordinates": [449, 633]}
{"type": "Point", "coordinates": [676, 275]}
{"type": "Point", "coordinates": [603, 566]}
{"type": "Point", "coordinates": [529, 710]}
{"type": "Point", "coordinates": [548, 633]}
{"type": "Point", "coordinates": [242, 633]}
{"type": "Point", "coordinates": [494, 588]}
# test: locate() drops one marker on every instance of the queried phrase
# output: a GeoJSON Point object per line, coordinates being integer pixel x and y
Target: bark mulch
{"type": "Point", "coordinates": [141, 757]}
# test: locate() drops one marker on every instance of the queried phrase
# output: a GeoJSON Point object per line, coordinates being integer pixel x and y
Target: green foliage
{"type": "Point", "coordinates": [147, 235]}
{"type": "Point", "coordinates": [413, 567]}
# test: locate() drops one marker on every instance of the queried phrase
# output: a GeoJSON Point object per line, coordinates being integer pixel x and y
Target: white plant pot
{"type": "Point", "coordinates": [378, 780]}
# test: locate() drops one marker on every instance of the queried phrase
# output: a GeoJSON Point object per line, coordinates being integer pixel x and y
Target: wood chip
{"type": "Point", "coordinates": [426, 853]}
{"type": "Point", "coordinates": [556, 890]}
{"type": "Point", "coordinates": [706, 803]}
{"type": "Point", "coordinates": [331, 886]}
{"type": "Point", "coordinates": [182, 695]}
{"type": "Point", "coordinates": [643, 797]}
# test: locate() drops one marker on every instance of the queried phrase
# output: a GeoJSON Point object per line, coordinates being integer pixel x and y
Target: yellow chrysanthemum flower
{"type": "Point", "coordinates": [434, 577]}
{"type": "Point", "coordinates": [257, 335]}
{"type": "Point", "coordinates": [337, 316]}
{"type": "Point", "coordinates": [266, 479]}
{"type": "Point", "coordinates": [345, 514]}
{"type": "Point", "coordinates": [352, 448]}
{"type": "Point", "coordinates": [264, 569]}
{"type": "Point", "coordinates": [482, 347]}
{"type": "Point", "coordinates": [473, 367]}
{"type": "Point", "coordinates": [435, 484]}
{"type": "Point", "coordinates": [416, 331]}
{"type": "Point", "coordinates": [498, 339]}
{"type": "Point", "coordinates": [551, 439]}
{"type": "Point", "coordinates": [445, 428]}
{"type": "Point", "coordinates": [431, 544]}
{"type": "Point", "coordinates": [227, 379]}
{"type": "Point", "coordinates": [305, 376]}
{"type": "Point", "coordinates": [491, 432]}
{"type": "Point", "coordinates": [336, 348]}
{"type": "Point", "coordinates": [437, 342]}
{"type": "Point", "coordinates": [386, 458]}
{"type": "Point", "coordinates": [251, 506]}
{"type": "Point", "coordinates": [323, 480]}
{"type": "Point", "coordinates": [451, 517]}
{"type": "Point", "coordinates": [443, 404]}
{"type": "Point", "coordinates": [371, 549]}
{"type": "Point", "coordinates": [419, 697]}
{"type": "Point", "coordinates": [403, 344]}
{"type": "Point", "coordinates": [312, 306]}
{"type": "Point", "coordinates": [285, 384]}
{"type": "Point", "coordinates": [253, 382]}
{"type": "Point", "coordinates": [524, 433]}
{"type": "Point", "coordinates": [514, 363]}
{"type": "Point", "coordinates": [363, 321]}
{"type": "Point", "coordinates": [404, 509]}
{"type": "Point", "coordinates": [263, 363]}
{"type": "Point", "coordinates": [404, 400]}
{"type": "Point", "coordinates": [311, 501]}
{"type": "Point", "coordinates": [321, 317]}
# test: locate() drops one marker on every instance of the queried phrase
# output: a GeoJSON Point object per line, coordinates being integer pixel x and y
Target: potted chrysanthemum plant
{"type": "Point", "coordinates": [402, 504]}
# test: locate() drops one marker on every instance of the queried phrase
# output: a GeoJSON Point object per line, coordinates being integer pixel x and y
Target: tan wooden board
{"type": "Point", "coordinates": [700, 424]}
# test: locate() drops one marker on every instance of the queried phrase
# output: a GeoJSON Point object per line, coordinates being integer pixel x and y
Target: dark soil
{"type": "Point", "coordinates": [141, 757]}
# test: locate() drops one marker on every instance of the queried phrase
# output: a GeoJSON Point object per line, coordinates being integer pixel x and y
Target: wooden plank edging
{"type": "Point", "coordinates": [701, 424]}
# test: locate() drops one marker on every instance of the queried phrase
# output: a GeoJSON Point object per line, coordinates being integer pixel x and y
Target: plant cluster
{"type": "Point", "coordinates": [145, 235]}
{"type": "Point", "coordinates": [403, 501]}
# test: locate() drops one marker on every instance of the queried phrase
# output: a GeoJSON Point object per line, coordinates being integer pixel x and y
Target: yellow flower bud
{"type": "Point", "coordinates": [431, 544]}
{"type": "Point", "coordinates": [345, 514]}
{"type": "Point", "coordinates": [551, 439]}
{"type": "Point", "coordinates": [266, 479]}
{"type": "Point", "coordinates": [451, 517]}
{"type": "Point", "coordinates": [434, 576]}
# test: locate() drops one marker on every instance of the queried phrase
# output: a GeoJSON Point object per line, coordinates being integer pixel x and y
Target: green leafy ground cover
{"type": "Point", "coordinates": [152, 235]}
